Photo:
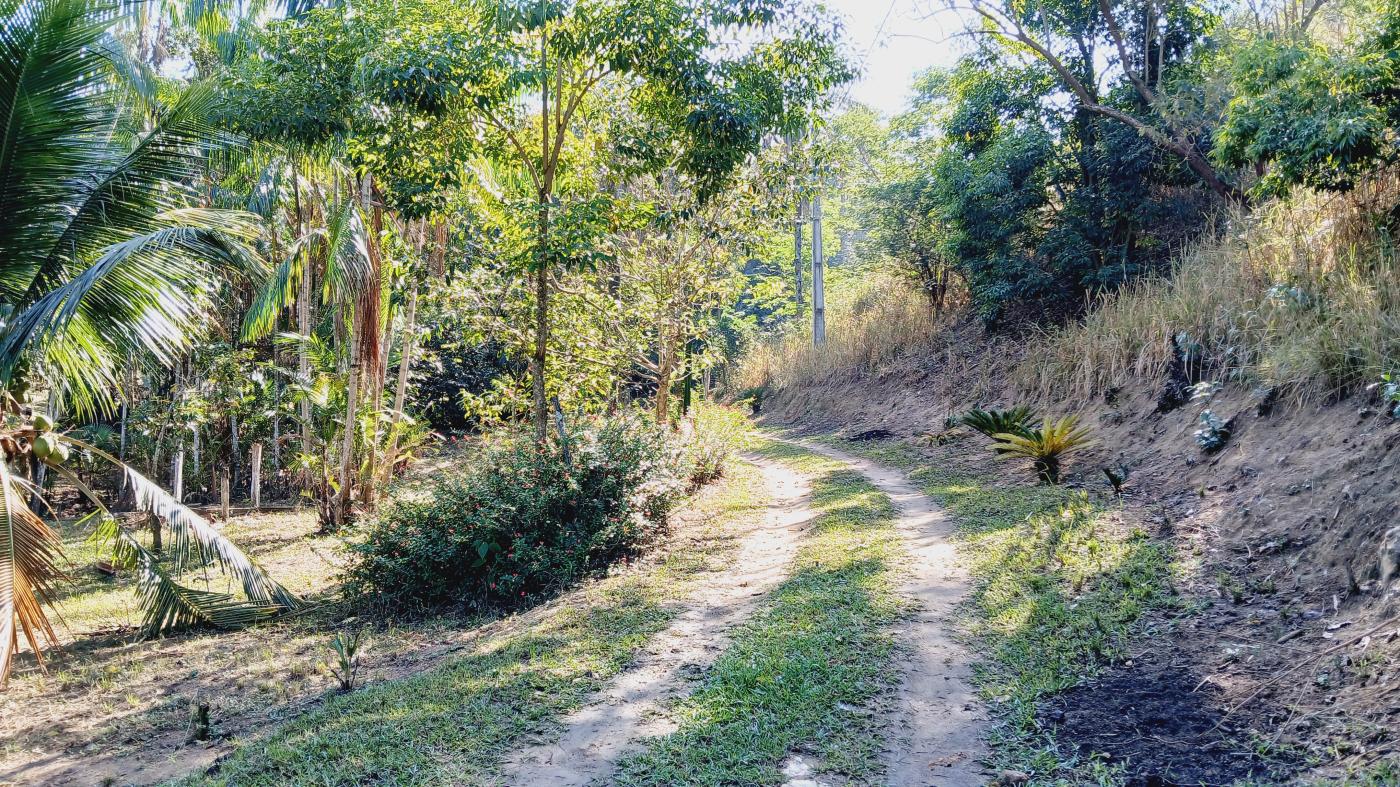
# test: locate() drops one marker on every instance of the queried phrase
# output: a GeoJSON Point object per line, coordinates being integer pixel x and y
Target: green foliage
{"type": "Point", "coordinates": [1390, 393]}
{"type": "Point", "coordinates": [1309, 114]}
{"type": "Point", "coordinates": [1025, 203]}
{"type": "Point", "coordinates": [718, 432]}
{"type": "Point", "coordinates": [344, 666]}
{"type": "Point", "coordinates": [1045, 446]}
{"type": "Point", "coordinates": [1213, 434]}
{"type": "Point", "coordinates": [449, 367]}
{"type": "Point", "coordinates": [1019, 420]}
{"type": "Point", "coordinates": [523, 520]}
{"type": "Point", "coordinates": [108, 249]}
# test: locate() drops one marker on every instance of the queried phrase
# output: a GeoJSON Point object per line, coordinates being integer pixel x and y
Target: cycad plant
{"type": "Point", "coordinates": [1045, 446]}
{"type": "Point", "coordinates": [108, 257]}
{"type": "Point", "coordinates": [1018, 420]}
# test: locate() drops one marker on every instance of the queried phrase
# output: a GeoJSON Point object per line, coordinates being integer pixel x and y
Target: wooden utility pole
{"type": "Point", "coordinates": [818, 271]}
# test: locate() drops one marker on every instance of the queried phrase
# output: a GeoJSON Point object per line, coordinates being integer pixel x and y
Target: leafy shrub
{"type": "Point", "coordinates": [523, 521]}
{"type": "Point", "coordinates": [449, 368]}
{"type": "Point", "coordinates": [1213, 434]}
{"type": "Point", "coordinates": [719, 432]}
{"type": "Point", "coordinates": [1018, 420]}
{"type": "Point", "coordinates": [1045, 446]}
{"type": "Point", "coordinates": [1390, 393]}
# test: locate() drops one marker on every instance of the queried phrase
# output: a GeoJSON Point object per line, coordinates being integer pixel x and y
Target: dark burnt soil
{"type": "Point", "coordinates": [1163, 726]}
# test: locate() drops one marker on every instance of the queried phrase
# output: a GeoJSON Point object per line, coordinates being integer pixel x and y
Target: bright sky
{"type": "Point", "coordinates": [896, 39]}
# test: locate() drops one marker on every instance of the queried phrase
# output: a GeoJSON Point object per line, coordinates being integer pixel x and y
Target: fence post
{"type": "Point", "coordinates": [223, 492]}
{"type": "Point", "coordinates": [256, 474]}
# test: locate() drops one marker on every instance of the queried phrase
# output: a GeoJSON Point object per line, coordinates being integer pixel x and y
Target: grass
{"type": "Point", "coordinates": [1302, 295]}
{"type": "Point", "coordinates": [1058, 593]}
{"type": "Point", "coordinates": [871, 319]}
{"type": "Point", "coordinates": [453, 723]}
{"type": "Point", "coordinates": [799, 676]}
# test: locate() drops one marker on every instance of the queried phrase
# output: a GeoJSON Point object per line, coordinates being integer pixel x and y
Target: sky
{"type": "Point", "coordinates": [894, 40]}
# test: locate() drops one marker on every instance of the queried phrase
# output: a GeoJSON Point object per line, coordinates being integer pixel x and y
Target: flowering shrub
{"type": "Point", "coordinates": [523, 521]}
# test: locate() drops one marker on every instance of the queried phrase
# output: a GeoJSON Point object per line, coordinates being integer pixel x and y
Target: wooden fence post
{"type": "Point", "coordinates": [223, 492]}
{"type": "Point", "coordinates": [255, 472]}
{"type": "Point", "coordinates": [177, 475]}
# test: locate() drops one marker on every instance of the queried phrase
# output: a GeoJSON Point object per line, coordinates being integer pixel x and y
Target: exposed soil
{"type": "Point", "coordinates": [937, 721]}
{"type": "Point", "coordinates": [632, 707]}
{"type": "Point", "coordinates": [1278, 538]}
{"type": "Point", "coordinates": [1162, 725]}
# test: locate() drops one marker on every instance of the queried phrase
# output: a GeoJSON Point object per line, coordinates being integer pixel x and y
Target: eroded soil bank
{"type": "Point", "coordinates": [1277, 659]}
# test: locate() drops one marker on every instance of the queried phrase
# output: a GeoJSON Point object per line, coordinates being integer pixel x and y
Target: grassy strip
{"type": "Point", "coordinates": [1058, 592]}
{"type": "Point", "coordinates": [454, 723]}
{"type": "Point", "coordinates": [797, 674]}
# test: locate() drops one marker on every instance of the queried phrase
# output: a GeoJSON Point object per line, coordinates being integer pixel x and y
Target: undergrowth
{"type": "Point", "coordinates": [453, 723]}
{"type": "Point", "coordinates": [1303, 295]}
{"type": "Point", "coordinates": [797, 673]}
{"type": "Point", "coordinates": [1058, 593]}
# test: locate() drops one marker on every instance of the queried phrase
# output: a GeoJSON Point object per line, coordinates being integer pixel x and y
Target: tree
{"type": "Point", "coordinates": [1066, 35]}
{"type": "Point", "coordinates": [1308, 114]}
{"type": "Point", "coordinates": [532, 67]}
{"type": "Point", "coordinates": [106, 258]}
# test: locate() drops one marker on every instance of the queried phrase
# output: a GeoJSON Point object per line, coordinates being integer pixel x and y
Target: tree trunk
{"type": "Point", "coordinates": [401, 385]}
{"type": "Point", "coordinates": [537, 368]}
{"type": "Point", "coordinates": [665, 369]}
{"type": "Point", "coordinates": [371, 338]}
{"type": "Point", "coordinates": [255, 476]}
{"type": "Point", "coordinates": [347, 453]}
{"type": "Point", "coordinates": [304, 328]}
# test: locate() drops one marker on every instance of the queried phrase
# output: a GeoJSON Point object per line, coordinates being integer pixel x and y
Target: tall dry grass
{"type": "Point", "coordinates": [1303, 295]}
{"type": "Point", "coordinates": [869, 323]}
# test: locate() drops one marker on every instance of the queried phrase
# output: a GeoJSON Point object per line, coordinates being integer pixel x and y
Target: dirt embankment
{"type": "Point", "coordinates": [1287, 646]}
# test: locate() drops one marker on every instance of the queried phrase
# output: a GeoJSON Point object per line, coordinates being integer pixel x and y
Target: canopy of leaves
{"type": "Point", "coordinates": [1311, 115]}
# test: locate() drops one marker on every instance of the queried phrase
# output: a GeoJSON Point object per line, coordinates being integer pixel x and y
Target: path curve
{"type": "Point", "coordinates": [935, 738]}
{"type": "Point", "coordinates": [630, 709]}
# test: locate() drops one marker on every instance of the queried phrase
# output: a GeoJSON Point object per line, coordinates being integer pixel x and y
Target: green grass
{"type": "Point", "coordinates": [454, 723]}
{"type": "Point", "coordinates": [799, 674]}
{"type": "Point", "coordinates": [1059, 590]}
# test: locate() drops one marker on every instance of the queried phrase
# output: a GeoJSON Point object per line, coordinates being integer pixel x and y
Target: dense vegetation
{"type": "Point", "coordinates": [281, 252]}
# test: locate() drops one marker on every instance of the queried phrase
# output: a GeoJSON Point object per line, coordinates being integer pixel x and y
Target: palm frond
{"type": "Point", "coordinates": [1016, 420]}
{"type": "Point", "coordinates": [194, 542]}
{"type": "Point", "coordinates": [1045, 446]}
{"type": "Point", "coordinates": [54, 97]}
{"type": "Point", "coordinates": [165, 603]}
{"type": "Point", "coordinates": [29, 555]}
{"type": "Point", "coordinates": [146, 295]}
{"type": "Point", "coordinates": [279, 291]}
{"type": "Point", "coordinates": [348, 269]}
{"type": "Point", "coordinates": [127, 194]}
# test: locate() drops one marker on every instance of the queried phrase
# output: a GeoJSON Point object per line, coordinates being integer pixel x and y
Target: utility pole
{"type": "Point", "coordinates": [797, 250]}
{"type": "Point", "coordinates": [818, 291]}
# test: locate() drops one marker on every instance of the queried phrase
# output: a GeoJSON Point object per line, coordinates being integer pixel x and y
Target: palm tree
{"type": "Point", "coordinates": [107, 255]}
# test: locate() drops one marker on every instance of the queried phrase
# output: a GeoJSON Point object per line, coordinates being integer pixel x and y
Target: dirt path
{"type": "Point", "coordinates": [596, 736]}
{"type": "Point", "coordinates": [935, 738]}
